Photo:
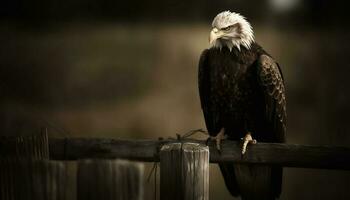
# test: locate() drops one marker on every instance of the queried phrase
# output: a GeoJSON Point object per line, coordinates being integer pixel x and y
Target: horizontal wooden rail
{"type": "Point", "coordinates": [287, 155]}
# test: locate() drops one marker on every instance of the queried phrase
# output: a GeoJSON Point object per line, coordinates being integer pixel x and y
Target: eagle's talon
{"type": "Point", "coordinates": [248, 139]}
{"type": "Point", "coordinates": [218, 138]}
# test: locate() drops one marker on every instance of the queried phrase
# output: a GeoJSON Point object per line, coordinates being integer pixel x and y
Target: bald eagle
{"type": "Point", "coordinates": [242, 97]}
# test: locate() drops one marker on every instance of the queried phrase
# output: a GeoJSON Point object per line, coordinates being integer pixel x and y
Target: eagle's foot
{"type": "Point", "coordinates": [248, 139]}
{"type": "Point", "coordinates": [220, 136]}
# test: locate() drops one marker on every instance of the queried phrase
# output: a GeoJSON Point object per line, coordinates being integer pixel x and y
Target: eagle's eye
{"type": "Point", "coordinates": [228, 28]}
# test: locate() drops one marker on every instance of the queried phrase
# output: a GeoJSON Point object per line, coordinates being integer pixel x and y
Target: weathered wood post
{"type": "Point", "coordinates": [184, 171]}
{"type": "Point", "coordinates": [25, 171]}
{"type": "Point", "coordinates": [109, 180]}
{"type": "Point", "coordinates": [27, 179]}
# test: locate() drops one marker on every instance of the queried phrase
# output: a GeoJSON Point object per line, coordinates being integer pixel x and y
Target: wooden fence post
{"type": "Point", "coordinates": [25, 179]}
{"type": "Point", "coordinates": [25, 171]}
{"type": "Point", "coordinates": [184, 171]}
{"type": "Point", "coordinates": [109, 180]}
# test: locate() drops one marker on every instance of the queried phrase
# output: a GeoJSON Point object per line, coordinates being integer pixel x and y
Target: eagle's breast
{"type": "Point", "coordinates": [232, 82]}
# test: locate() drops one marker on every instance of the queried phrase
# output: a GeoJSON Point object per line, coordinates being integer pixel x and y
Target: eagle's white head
{"type": "Point", "coordinates": [232, 30]}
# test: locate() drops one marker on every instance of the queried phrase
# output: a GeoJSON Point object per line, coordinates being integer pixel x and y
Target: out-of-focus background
{"type": "Point", "coordinates": [128, 69]}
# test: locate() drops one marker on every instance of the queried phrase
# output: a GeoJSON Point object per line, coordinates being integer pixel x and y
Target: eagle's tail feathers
{"type": "Point", "coordinates": [252, 182]}
{"type": "Point", "coordinates": [228, 172]}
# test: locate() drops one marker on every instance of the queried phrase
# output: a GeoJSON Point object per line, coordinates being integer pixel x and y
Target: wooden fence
{"type": "Point", "coordinates": [286, 155]}
{"type": "Point", "coordinates": [35, 167]}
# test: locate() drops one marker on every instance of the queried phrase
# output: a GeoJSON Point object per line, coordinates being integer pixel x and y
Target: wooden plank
{"type": "Point", "coordinates": [184, 171]}
{"type": "Point", "coordinates": [109, 180]}
{"type": "Point", "coordinates": [81, 148]}
{"type": "Point", "coordinates": [287, 155]}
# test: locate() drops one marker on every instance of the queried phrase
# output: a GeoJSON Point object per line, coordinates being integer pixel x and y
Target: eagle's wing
{"type": "Point", "coordinates": [272, 83]}
{"type": "Point", "coordinates": [210, 112]}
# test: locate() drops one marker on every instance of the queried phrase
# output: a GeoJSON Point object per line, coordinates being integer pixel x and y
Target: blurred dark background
{"type": "Point", "coordinates": [128, 69]}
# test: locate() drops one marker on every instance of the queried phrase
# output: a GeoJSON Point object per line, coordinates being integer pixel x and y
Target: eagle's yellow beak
{"type": "Point", "coordinates": [214, 34]}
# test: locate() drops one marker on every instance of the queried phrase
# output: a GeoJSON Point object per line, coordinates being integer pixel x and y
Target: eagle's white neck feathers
{"type": "Point", "coordinates": [241, 35]}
